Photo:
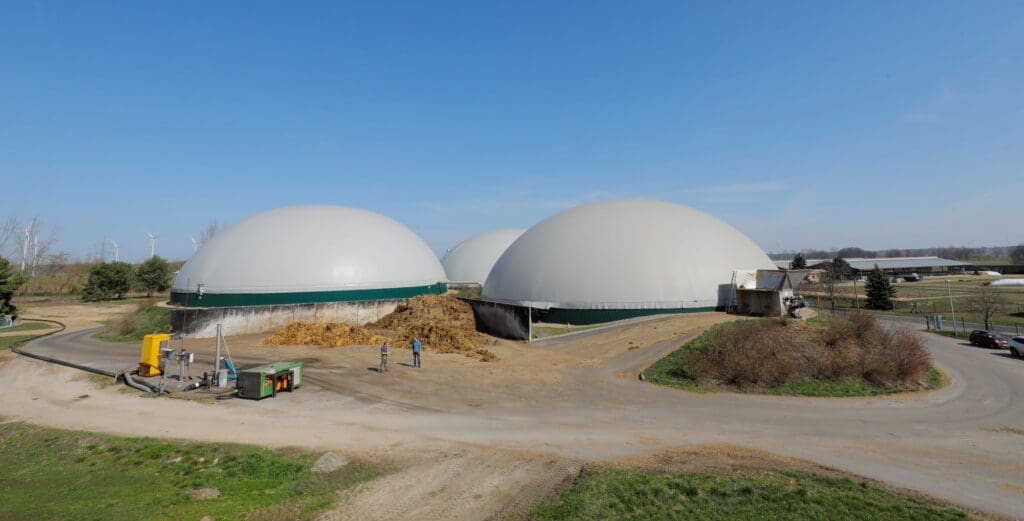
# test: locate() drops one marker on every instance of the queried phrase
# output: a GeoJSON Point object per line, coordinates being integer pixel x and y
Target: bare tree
{"type": "Point", "coordinates": [208, 233]}
{"type": "Point", "coordinates": [7, 230]}
{"type": "Point", "coordinates": [34, 247]}
{"type": "Point", "coordinates": [835, 272]}
{"type": "Point", "coordinates": [986, 300]}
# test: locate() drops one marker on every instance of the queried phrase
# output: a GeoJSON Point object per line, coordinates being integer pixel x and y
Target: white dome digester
{"type": "Point", "coordinates": [309, 254]}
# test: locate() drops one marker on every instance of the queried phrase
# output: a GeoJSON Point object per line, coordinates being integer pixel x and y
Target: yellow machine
{"type": "Point", "coordinates": [150, 365]}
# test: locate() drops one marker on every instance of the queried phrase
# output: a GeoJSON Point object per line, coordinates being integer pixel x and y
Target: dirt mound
{"type": "Point", "coordinates": [324, 335]}
{"type": "Point", "coordinates": [443, 324]}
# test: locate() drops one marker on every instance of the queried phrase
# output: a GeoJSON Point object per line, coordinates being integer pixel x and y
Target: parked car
{"type": "Point", "coordinates": [982, 338]}
{"type": "Point", "coordinates": [1016, 345]}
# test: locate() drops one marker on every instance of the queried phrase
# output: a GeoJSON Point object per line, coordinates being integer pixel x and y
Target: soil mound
{"type": "Point", "coordinates": [324, 335]}
{"type": "Point", "coordinates": [443, 324]}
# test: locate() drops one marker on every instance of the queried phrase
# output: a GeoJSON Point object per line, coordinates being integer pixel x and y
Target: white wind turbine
{"type": "Point", "coordinates": [195, 244]}
{"type": "Point", "coordinates": [152, 244]}
{"type": "Point", "coordinates": [117, 250]}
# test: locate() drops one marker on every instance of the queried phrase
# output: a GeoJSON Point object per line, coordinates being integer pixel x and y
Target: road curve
{"type": "Point", "coordinates": [963, 443]}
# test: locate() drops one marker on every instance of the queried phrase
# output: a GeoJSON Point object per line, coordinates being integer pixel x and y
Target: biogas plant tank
{"type": "Point", "coordinates": [634, 255]}
{"type": "Point", "coordinates": [302, 254]}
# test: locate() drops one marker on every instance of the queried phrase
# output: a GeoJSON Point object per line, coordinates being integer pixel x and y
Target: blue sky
{"type": "Point", "coordinates": [804, 124]}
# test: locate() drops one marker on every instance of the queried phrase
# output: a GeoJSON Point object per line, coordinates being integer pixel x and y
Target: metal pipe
{"type": "Point", "coordinates": [216, 359]}
{"type": "Point", "coordinates": [136, 385]}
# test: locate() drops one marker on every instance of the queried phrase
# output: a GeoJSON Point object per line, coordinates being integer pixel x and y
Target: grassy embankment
{"type": "Point", "coordinates": [7, 341]}
{"type": "Point", "coordinates": [147, 318]}
{"type": "Point", "coordinates": [58, 474]}
{"type": "Point", "coordinates": [784, 495]}
{"type": "Point", "coordinates": [822, 357]}
{"type": "Point", "coordinates": [27, 326]}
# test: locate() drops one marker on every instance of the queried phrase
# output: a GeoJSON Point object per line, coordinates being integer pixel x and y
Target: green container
{"type": "Point", "coordinates": [256, 383]}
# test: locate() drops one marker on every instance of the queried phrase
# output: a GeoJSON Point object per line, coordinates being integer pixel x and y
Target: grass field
{"type": "Point", "coordinates": [56, 474]}
{"type": "Point", "coordinates": [7, 341]}
{"type": "Point", "coordinates": [630, 494]}
{"type": "Point", "coordinates": [27, 326]}
{"type": "Point", "coordinates": [671, 371]}
{"type": "Point", "coordinates": [148, 318]}
{"type": "Point", "coordinates": [929, 297]}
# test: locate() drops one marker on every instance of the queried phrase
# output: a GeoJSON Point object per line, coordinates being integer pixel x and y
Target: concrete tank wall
{"type": "Point", "coordinates": [202, 322]}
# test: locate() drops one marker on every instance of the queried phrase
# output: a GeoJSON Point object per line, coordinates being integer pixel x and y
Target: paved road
{"type": "Point", "coordinates": [964, 443]}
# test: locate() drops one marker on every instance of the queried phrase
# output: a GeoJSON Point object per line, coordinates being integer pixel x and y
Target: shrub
{"type": "Point", "coordinates": [108, 281]}
{"type": "Point", "coordinates": [772, 353]}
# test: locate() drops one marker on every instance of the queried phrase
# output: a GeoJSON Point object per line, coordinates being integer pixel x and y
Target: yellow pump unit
{"type": "Point", "coordinates": [149, 364]}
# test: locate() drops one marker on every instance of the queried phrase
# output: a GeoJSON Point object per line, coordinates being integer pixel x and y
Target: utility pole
{"type": "Point", "coordinates": [952, 310]}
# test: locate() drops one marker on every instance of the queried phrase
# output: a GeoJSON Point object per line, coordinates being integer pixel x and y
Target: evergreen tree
{"type": "Point", "coordinates": [799, 262]}
{"type": "Point", "coordinates": [9, 283]}
{"type": "Point", "coordinates": [108, 281]}
{"type": "Point", "coordinates": [154, 275]}
{"type": "Point", "coordinates": [879, 290]}
{"type": "Point", "coordinates": [1017, 254]}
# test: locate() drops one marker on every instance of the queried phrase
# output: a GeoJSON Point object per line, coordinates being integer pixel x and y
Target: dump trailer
{"type": "Point", "coordinates": [265, 381]}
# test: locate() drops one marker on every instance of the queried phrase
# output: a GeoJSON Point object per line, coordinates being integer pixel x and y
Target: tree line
{"type": "Point", "coordinates": [961, 253]}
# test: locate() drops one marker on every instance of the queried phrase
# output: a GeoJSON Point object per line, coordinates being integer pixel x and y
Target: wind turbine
{"type": "Point", "coordinates": [117, 250]}
{"type": "Point", "coordinates": [195, 245]}
{"type": "Point", "coordinates": [152, 244]}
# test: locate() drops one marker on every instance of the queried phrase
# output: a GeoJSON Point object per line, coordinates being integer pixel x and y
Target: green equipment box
{"type": "Point", "coordinates": [264, 381]}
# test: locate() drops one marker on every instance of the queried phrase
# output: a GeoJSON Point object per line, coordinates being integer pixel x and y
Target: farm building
{"type": "Point", "coordinates": [618, 259]}
{"type": "Point", "coordinates": [893, 265]}
{"type": "Point", "coordinates": [471, 261]}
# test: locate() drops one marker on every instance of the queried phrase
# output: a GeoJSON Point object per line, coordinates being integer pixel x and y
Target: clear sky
{"type": "Point", "coordinates": [803, 124]}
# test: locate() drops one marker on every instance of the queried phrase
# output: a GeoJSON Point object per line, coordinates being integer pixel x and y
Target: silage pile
{"type": "Point", "coordinates": [323, 335]}
{"type": "Point", "coordinates": [443, 325]}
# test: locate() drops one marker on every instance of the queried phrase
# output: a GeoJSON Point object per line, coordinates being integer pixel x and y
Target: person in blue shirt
{"type": "Point", "coordinates": [416, 347]}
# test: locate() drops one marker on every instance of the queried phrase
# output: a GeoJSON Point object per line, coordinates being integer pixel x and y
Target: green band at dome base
{"type": "Point", "coordinates": [223, 300]}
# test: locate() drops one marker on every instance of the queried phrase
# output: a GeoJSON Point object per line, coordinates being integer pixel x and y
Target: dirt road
{"type": "Point", "coordinates": [481, 432]}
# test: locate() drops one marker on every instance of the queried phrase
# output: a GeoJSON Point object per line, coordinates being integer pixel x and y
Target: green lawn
{"type": "Point", "coordinates": [784, 495]}
{"type": "Point", "coordinates": [7, 341]}
{"type": "Point", "coordinates": [547, 331]}
{"type": "Point", "coordinates": [28, 326]}
{"type": "Point", "coordinates": [130, 329]}
{"type": "Point", "coordinates": [56, 474]}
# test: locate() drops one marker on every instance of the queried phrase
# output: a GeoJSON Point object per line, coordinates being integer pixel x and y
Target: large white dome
{"type": "Point", "coordinates": [309, 254]}
{"type": "Point", "coordinates": [631, 254]}
{"type": "Point", "coordinates": [473, 258]}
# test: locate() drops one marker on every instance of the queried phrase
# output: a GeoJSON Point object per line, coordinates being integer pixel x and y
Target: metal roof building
{"type": "Point", "coordinates": [892, 264]}
{"type": "Point", "coordinates": [307, 254]}
{"type": "Point", "coordinates": [615, 259]}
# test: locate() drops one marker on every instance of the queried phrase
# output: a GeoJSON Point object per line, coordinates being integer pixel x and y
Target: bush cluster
{"type": "Point", "coordinates": [770, 353]}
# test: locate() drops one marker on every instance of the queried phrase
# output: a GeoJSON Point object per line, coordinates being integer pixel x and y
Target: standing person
{"type": "Point", "coordinates": [384, 351]}
{"type": "Point", "coordinates": [416, 347]}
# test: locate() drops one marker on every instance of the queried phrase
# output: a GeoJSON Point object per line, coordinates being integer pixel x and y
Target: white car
{"type": "Point", "coordinates": [1016, 345]}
